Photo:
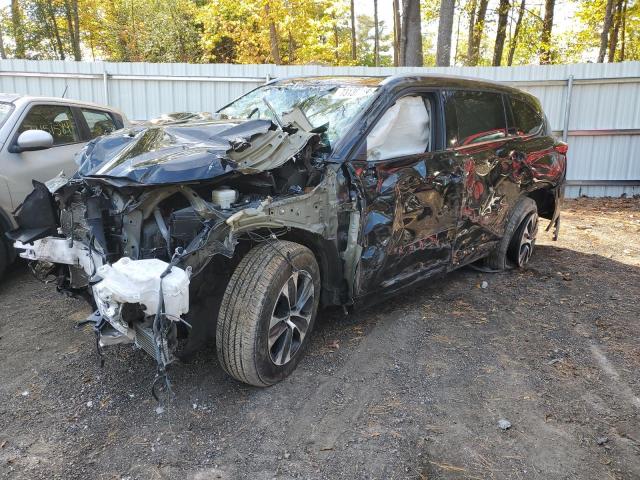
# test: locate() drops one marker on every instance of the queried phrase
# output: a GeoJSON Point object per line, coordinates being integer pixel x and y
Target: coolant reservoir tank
{"type": "Point", "coordinates": [224, 197]}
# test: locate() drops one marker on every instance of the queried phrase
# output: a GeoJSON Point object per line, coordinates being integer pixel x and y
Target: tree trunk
{"type": "Point", "coordinates": [545, 37]}
{"type": "Point", "coordinates": [55, 30]}
{"type": "Point", "coordinates": [613, 41]}
{"type": "Point", "coordinates": [336, 39]}
{"type": "Point", "coordinates": [478, 30]}
{"type": "Point", "coordinates": [516, 32]}
{"type": "Point", "coordinates": [354, 52]}
{"type": "Point", "coordinates": [291, 47]}
{"type": "Point", "coordinates": [376, 34]}
{"type": "Point", "coordinates": [77, 52]}
{"type": "Point", "coordinates": [624, 28]}
{"type": "Point", "coordinates": [472, 24]}
{"type": "Point", "coordinates": [273, 37]}
{"type": "Point", "coordinates": [503, 16]}
{"type": "Point", "coordinates": [411, 34]}
{"type": "Point", "coordinates": [604, 35]}
{"type": "Point", "coordinates": [396, 33]}
{"type": "Point", "coordinates": [445, 29]}
{"type": "Point", "coordinates": [18, 32]}
{"type": "Point", "coordinates": [70, 28]}
{"type": "Point", "coordinates": [3, 54]}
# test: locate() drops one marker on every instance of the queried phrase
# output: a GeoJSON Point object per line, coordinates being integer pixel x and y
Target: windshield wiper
{"type": "Point", "coordinates": [273, 111]}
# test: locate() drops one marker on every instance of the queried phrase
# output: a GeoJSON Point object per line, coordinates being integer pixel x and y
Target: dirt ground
{"type": "Point", "coordinates": [413, 389]}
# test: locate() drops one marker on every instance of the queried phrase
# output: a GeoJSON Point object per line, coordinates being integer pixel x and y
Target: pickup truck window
{"type": "Point", "coordinates": [55, 119]}
{"type": "Point", "coordinates": [100, 123]}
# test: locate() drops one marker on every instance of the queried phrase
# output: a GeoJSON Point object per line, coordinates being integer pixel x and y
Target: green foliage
{"type": "Point", "coordinates": [294, 31]}
{"type": "Point", "coordinates": [365, 38]}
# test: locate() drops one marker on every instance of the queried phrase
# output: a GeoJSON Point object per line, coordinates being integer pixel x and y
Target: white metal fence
{"type": "Point", "coordinates": [596, 107]}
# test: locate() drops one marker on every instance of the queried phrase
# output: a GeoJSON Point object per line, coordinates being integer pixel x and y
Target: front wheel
{"type": "Point", "coordinates": [267, 313]}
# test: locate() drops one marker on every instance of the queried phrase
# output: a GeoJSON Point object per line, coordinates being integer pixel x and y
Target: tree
{"type": "Point", "coordinates": [18, 32]}
{"type": "Point", "coordinates": [545, 36]}
{"type": "Point", "coordinates": [604, 36]}
{"type": "Point", "coordinates": [476, 29]}
{"type": "Point", "coordinates": [73, 26]}
{"type": "Point", "coordinates": [411, 34]}
{"type": "Point", "coordinates": [396, 33]}
{"type": "Point", "coordinates": [376, 35]}
{"type": "Point", "coordinates": [516, 32]}
{"type": "Point", "coordinates": [613, 41]}
{"type": "Point", "coordinates": [366, 54]}
{"type": "Point", "coordinates": [501, 33]}
{"type": "Point", "coordinates": [3, 54]}
{"type": "Point", "coordinates": [445, 28]}
{"type": "Point", "coordinates": [354, 52]}
{"type": "Point", "coordinates": [273, 35]}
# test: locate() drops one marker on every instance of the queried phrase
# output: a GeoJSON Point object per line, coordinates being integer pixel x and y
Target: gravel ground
{"type": "Point", "coordinates": [412, 389]}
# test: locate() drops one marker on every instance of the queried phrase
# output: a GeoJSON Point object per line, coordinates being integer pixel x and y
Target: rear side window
{"type": "Point", "coordinates": [527, 120]}
{"type": "Point", "coordinates": [100, 123]}
{"type": "Point", "coordinates": [55, 119]}
{"type": "Point", "coordinates": [479, 117]}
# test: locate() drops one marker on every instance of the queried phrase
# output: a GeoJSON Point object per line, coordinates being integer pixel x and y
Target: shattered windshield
{"type": "Point", "coordinates": [334, 106]}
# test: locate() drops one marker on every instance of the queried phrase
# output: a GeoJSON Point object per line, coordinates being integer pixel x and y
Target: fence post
{"type": "Point", "coordinates": [567, 109]}
{"type": "Point", "coordinates": [105, 84]}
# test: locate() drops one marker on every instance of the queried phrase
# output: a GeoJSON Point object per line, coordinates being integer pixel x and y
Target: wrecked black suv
{"type": "Point", "coordinates": [303, 193]}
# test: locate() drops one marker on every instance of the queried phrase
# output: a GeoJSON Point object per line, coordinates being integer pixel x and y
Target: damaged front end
{"type": "Point", "coordinates": [157, 216]}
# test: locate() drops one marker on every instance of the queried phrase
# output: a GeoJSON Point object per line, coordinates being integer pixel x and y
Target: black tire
{"type": "Point", "coordinates": [4, 255]}
{"type": "Point", "coordinates": [249, 306]}
{"type": "Point", "coordinates": [504, 255]}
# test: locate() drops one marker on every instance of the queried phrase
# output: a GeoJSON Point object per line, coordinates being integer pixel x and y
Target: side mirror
{"type": "Point", "coordinates": [31, 140]}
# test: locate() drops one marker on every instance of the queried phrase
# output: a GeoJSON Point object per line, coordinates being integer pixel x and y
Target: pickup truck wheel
{"type": "Point", "coordinates": [518, 241]}
{"type": "Point", "coordinates": [267, 313]}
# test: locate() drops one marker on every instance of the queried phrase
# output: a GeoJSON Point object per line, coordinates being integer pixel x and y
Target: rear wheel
{"type": "Point", "coordinates": [267, 313]}
{"type": "Point", "coordinates": [523, 242]}
{"type": "Point", "coordinates": [519, 238]}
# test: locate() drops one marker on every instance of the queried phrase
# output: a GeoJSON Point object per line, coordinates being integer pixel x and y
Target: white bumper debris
{"type": "Point", "coordinates": [138, 281]}
{"type": "Point", "coordinates": [60, 250]}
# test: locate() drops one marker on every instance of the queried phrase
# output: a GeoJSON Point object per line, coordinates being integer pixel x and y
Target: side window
{"type": "Point", "coordinates": [404, 129]}
{"type": "Point", "coordinates": [100, 123]}
{"type": "Point", "coordinates": [526, 119]}
{"type": "Point", "coordinates": [480, 117]}
{"type": "Point", "coordinates": [55, 119]}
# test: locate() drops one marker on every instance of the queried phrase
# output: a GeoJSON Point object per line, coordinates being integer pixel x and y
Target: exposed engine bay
{"type": "Point", "coordinates": [141, 231]}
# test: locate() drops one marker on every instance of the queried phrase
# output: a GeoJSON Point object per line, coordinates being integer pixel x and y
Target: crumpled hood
{"type": "Point", "coordinates": [151, 154]}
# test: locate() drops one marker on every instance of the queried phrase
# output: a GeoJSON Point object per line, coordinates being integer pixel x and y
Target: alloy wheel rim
{"type": "Point", "coordinates": [527, 240]}
{"type": "Point", "coordinates": [291, 317]}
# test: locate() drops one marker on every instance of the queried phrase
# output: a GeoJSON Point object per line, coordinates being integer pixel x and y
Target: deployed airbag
{"type": "Point", "coordinates": [403, 130]}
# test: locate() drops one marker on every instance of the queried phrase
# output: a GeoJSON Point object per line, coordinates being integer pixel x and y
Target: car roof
{"type": "Point", "coordinates": [17, 98]}
{"type": "Point", "coordinates": [408, 79]}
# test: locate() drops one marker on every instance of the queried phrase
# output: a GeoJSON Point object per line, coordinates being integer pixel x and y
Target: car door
{"type": "Point", "coordinates": [411, 196]}
{"type": "Point", "coordinates": [41, 165]}
{"type": "Point", "coordinates": [477, 132]}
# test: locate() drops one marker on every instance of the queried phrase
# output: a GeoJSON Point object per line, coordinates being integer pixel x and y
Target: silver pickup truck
{"type": "Point", "coordinates": [39, 137]}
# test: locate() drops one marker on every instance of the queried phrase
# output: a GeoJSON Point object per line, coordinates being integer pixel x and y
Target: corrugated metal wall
{"type": "Point", "coordinates": [603, 125]}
